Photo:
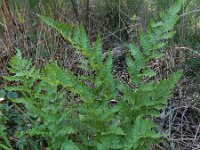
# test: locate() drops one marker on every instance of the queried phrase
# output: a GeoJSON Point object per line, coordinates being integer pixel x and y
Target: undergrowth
{"type": "Point", "coordinates": [61, 110]}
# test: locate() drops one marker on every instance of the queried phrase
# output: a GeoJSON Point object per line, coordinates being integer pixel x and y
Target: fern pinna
{"type": "Point", "coordinates": [50, 94]}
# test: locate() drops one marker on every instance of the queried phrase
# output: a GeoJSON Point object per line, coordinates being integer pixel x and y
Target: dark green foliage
{"type": "Point", "coordinates": [4, 141]}
{"type": "Point", "coordinates": [193, 63]}
{"type": "Point", "coordinates": [73, 112]}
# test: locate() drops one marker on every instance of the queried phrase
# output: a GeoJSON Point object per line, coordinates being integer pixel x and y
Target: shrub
{"type": "Point", "coordinates": [95, 110]}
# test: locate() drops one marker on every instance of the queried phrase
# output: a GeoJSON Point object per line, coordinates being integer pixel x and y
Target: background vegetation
{"type": "Point", "coordinates": [119, 22]}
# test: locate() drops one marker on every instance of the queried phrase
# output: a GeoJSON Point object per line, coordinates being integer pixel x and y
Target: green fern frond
{"type": "Point", "coordinates": [95, 111]}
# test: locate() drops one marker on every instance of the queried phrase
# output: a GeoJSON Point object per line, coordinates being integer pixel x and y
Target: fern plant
{"type": "Point", "coordinates": [74, 112]}
{"type": "Point", "coordinates": [4, 140]}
